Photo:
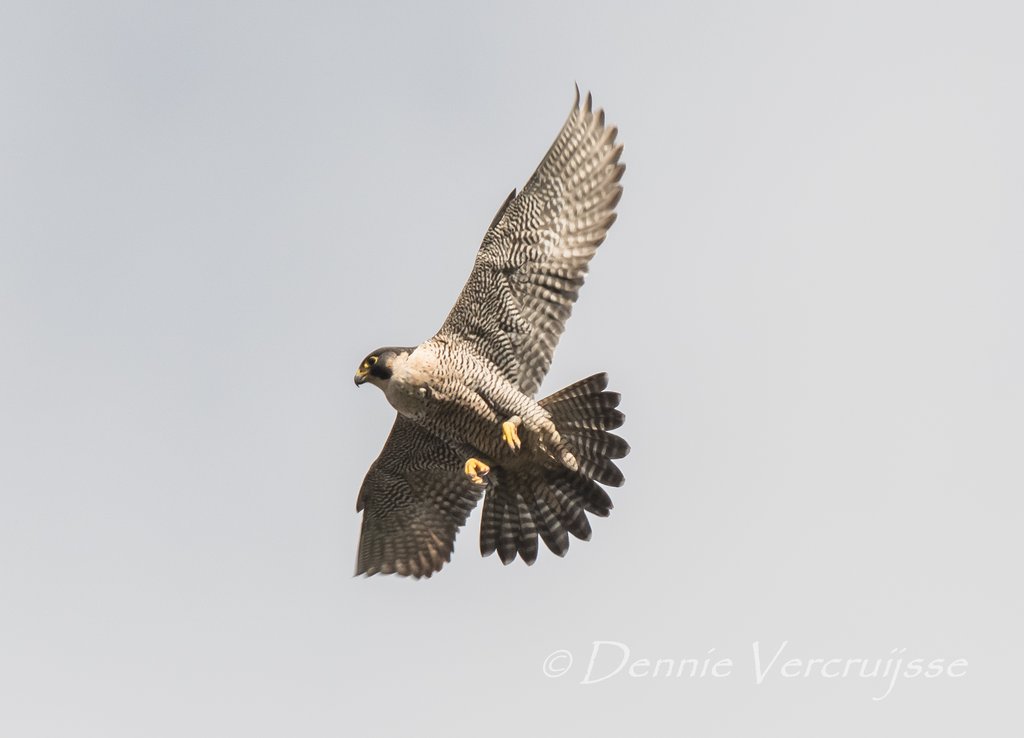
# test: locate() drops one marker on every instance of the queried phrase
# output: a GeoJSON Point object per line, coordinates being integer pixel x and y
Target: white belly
{"type": "Point", "coordinates": [412, 386]}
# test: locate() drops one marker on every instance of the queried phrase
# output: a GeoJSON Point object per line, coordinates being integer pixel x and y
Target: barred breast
{"type": "Point", "coordinates": [444, 387]}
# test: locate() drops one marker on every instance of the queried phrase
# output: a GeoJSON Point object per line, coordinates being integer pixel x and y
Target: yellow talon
{"type": "Point", "coordinates": [510, 433]}
{"type": "Point", "coordinates": [476, 470]}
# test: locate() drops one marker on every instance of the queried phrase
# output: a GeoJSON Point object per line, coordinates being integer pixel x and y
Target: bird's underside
{"type": "Point", "coordinates": [468, 423]}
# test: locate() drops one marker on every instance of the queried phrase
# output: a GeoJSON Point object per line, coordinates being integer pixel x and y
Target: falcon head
{"type": "Point", "coordinates": [378, 367]}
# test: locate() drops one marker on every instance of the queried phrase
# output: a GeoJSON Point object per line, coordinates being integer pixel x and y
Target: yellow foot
{"type": "Point", "coordinates": [510, 432]}
{"type": "Point", "coordinates": [476, 470]}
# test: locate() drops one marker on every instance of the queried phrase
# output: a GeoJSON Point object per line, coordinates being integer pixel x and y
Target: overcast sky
{"type": "Point", "coordinates": [811, 303]}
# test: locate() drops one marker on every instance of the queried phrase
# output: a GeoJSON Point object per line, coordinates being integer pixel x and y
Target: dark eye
{"type": "Point", "coordinates": [370, 362]}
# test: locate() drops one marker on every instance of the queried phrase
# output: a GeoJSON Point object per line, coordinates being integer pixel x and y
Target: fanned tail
{"type": "Point", "coordinates": [551, 502]}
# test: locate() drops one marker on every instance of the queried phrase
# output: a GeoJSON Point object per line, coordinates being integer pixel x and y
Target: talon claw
{"type": "Point", "coordinates": [476, 470]}
{"type": "Point", "coordinates": [510, 433]}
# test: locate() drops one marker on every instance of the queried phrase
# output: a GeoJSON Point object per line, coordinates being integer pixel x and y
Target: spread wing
{"type": "Point", "coordinates": [534, 257]}
{"type": "Point", "coordinates": [414, 500]}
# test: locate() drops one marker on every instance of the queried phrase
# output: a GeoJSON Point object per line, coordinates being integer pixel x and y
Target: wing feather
{"type": "Point", "coordinates": [414, 499]}
{"type": "Point", "coordinates": [534, 257]}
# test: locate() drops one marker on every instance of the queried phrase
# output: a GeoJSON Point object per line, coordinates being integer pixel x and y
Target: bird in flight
{"type": "Point", "coordinates": [468, 424]}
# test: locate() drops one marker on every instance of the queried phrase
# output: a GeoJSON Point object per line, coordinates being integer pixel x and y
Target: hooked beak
{"type": "Point", "coordinates": [361, 377]}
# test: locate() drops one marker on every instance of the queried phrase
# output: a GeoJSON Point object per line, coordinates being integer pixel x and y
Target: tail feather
{"type": "Point", "coordinates": [573, 514]}
{"type": "Point", "coordinates": [490, 524]}
{"type": "Point", "coordinates": [611, 420]}
{"type": "Point", "coordinates": [527, 541]}
{"type": "Point", "coordinates": [602, 470]}
{"type": "Point", "coordinates": [597, 442]}
{"type": "Point", "coordinates": [551, 503]}
{"type": "Point", "coordinates": [590, 495]}
{"type": "Point", "coordinates": [588, 386]}
{"type": "Point", "coordinates": [582, 407]}
{"type": "Point", "coordinates": [508, 540]}
{"type": "Point", "coordinates": [549, 526]}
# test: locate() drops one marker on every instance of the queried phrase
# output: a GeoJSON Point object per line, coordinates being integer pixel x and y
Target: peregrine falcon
{"type": "Point", "coordinates": [468, 424]}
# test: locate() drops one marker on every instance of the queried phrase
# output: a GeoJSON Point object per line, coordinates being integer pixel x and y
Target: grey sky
{"type": "Point", "coordinates": [811, 303]}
